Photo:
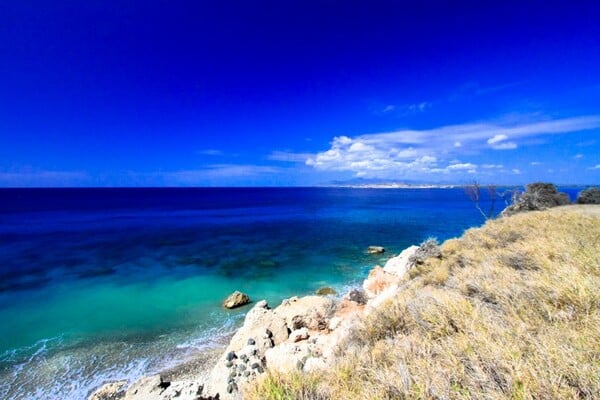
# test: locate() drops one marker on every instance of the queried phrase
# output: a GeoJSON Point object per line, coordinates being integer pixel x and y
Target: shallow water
{"type": "Point", "coordinates": [106, 284]}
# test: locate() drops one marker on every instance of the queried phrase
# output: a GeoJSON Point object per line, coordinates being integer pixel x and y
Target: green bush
{"type": "Point", "coordinates": [537, 196]}
{"type": "Point", "coordinates": [589, 196]}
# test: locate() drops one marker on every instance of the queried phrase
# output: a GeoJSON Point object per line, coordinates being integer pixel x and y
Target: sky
{"type": "Point", "coordinates": [298, 93]}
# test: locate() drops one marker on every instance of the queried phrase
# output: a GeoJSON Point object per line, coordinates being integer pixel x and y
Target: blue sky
{"type": "Point", "coordinates": [172, 93]}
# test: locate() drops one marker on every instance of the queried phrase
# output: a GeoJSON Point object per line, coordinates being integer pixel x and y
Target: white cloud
{"type": "Point", "coordinates": [467, 166]}
{"type": "Point", "coordinates": [516, 171]}
{"type": "Point", "coordinates": [492, 166]}
{"type": "Point", "coordinates": [496, 139]}
{"type": "Point", "coordinates": [419, 107]}
{"type": "Point", "coordinates": [597, 166]}
{"type": "Point", "coordinates": [389, 108]}
{"type": "Point", "coordinates": [401, 153]}
{"type": "Point", "coordinates": [457, 144]}
{"type": "Point", "coordinates": [578, 156]}
{"type": "Point", "coordinates": [289, 156]}
{"type": "Point", "coordinates": [535, 163]}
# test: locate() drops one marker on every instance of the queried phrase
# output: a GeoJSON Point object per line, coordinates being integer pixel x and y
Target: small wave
{"type": "Point", "coordinates": [56, 368]}
{"type": "Point", "coordinates": [212, 337]}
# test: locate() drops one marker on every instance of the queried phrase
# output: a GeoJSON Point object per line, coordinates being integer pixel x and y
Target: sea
{"type": "Point", "coordinates": [104, 284]}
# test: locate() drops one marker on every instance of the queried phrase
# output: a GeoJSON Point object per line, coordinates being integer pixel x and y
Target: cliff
{"type": "Point", "coordinates": [509, 310]}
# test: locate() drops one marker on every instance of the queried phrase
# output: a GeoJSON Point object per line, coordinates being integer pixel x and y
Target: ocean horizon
{"type": "Point", "coordinates": [103, 284]}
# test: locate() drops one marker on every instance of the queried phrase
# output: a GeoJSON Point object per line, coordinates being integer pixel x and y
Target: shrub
{"type": "Point", "coordinates": [429, 248]}
{"type": "Point", "coordinates": [589, 196]}
{"type": "Point", "coordinates": [537, 196]}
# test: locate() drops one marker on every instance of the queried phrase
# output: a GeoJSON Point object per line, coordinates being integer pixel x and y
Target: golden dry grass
{"type": "Point", "coordinates": [510, 311]}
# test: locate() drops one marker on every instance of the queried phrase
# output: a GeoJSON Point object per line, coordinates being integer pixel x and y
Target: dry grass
{"type": "Point", "coordinates": [510, 311]}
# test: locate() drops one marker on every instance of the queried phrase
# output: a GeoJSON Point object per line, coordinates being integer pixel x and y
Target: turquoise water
{"type": "Point", "coordinates": [106, 284]}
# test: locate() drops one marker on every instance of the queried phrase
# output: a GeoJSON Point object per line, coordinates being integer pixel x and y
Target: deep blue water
{"type": "Point", "coordinates": [103, 284]}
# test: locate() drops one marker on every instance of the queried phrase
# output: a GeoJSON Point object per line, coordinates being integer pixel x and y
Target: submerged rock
{"type": "Point", "coordinates": [325, 291]}
{"type": "Point", "coordinates": [236, 299]}
{"type": "Point", "coordinates": [375, 250]}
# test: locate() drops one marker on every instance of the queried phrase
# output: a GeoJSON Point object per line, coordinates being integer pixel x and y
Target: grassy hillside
{"type": "Point", "coordinates": [510, 311]}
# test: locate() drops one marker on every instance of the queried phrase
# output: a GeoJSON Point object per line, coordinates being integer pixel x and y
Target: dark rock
{"type": "Point", "coordinates": [231, 356]}
{"type": "Point", "coordinates": [229, 364]}
{"type": "Point", "coordinates": [268, 333]}
{"type": "Point", "coordinates": [255, 365]}
{"type": "Point", "coordinates": [251, 342]}
{"type": "Point", "coordinates": [357, 296]}
{"type": "Point", "coordinates": [215, 397]}
{"type": "Point", "coordinates": [298, 322]}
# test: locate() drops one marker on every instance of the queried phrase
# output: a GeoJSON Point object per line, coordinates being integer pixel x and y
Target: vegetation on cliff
{"type": "Point", "coordinates": [510, 310]}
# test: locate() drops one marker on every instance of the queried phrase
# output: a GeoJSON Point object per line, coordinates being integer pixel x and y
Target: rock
{"type": "Point", "coordinates": [311, 312]}
{"type": "Point", "coordinates": [184, 390]}
{"type": "Point", "coordinates": [334, 323]}
{"type": "Point", "coordinates": [287, 356]}
{"type": "Point", "coordinates": [324, 291]}
{"type": "Point", "coordinates": [375, 250]}
{"type": "Point", "coordinates": [263, 324]}
{"type": "Point", "coordinates": [314, 364]}
{"type": "Point", "coordinates": [378, 281]}
{"type": "Point", "coordinates": [400, 264]}
{"type": "Point", "coordinates": [109, 391]}
{"type": "Point", "coordinates": [357, 296]}
{"type": "Point", "coordinates": [299, 334]}
{"type": "Point", "coordinates": [262, 304]}
{"type": "Point", "coordinates": [236, 299]}
{"type": "Point", "coordinates": [146, 388]}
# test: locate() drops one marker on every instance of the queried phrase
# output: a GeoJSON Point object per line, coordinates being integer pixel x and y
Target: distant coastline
{"type": "Point", "coordinates": [394, 186]}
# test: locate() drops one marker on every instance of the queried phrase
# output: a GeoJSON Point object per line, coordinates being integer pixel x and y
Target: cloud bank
{"type": "Point", "coordinates": [422, 152]}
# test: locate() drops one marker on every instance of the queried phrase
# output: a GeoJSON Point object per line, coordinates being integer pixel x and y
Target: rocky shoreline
{"type": "Point", "coordinates": [299, 334]}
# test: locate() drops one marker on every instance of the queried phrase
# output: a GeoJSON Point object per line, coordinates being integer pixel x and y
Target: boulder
{"type": "Point", "coordinates": [356, 295]}
{"type": "Point", "coordinates": [147, 388]}
{"type": "Point", "coordinates": [311, 312]}
{"type": "Point", "coordinates": [109, 391]}
{"type": "Point", "coordinates": [400, 264]}
{"type": "Point", "coordinates": [236, 299]}
{"type": "Point", "coordinates": [314, 364]}
{"type": "Point", "coordinates": [325, 291]}
{"type": "Point", "coordinates": [262, 325]}
{"type": "Point", "coordinates": [287, 357]}
{"type": "Point", "coordinates": [375, 250]}
{"type": "Point", "coordinates": [299, 334]}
